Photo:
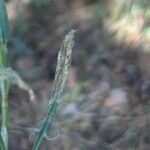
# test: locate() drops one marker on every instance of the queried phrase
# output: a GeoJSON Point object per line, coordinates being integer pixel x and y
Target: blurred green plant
{"type": "Point", "coordinates": [38, 3]}
{"type": "Point", "coordinates": [7, 76]}
{"type": "Point", "coordinates": [128, 20]}
{"type": "Point", "coordinates": [13, 77]}
{"type": "Point", "coordinates": [4, 37]}
{"type": "Point", "coordinates": [132, 139]}
{"type": "Point", "coordinates": [4, 26]}
{"type": "Point", "coordinates": [74, 93]}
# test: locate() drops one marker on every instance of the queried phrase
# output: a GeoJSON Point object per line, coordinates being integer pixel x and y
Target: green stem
{"type": "Point", "coordinates": [46, 125]}
{"type": "Point", "coordinates": [4, 90]}
{"type": "Point", "coordinates": [4, 37]}
{"type": "Point", "coordinates": [2, 146]}
{"type": "Point", "coordinates": [4, 128]}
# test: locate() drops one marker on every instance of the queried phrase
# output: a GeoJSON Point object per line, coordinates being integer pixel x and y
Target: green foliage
{"type": "Point", "coordinates": [4, 37]}
{"type": "Point", "coordinates": [4, 26]}
{"type": "Point", "coordinates": [75, 92]}
{"type": "Point", "coordinates": [132, 138]}
{"type": "Point", "coordinates": [2, 146]}
{"type": "Point", "coordinates": [118, 9]}
{"type": "Point", "coordinates": [38, 3]}
{"type": "Point", "coordinates": [7, 76]}
{"type": "Point", "coordinates": [13, 77]}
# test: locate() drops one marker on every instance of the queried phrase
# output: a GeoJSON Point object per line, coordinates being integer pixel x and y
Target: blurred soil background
{"type": "Point", "coordinates": [107, 100]}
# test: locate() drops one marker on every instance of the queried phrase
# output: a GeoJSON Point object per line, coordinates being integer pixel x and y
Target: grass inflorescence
{"type": "Point", "coordinates": [62, 69]}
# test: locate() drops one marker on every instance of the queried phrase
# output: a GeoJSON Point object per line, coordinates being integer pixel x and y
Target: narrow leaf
{"type": "Point", "coordinates": [4, 26]}
{"type": "Point", "coordinates": [12, 76]}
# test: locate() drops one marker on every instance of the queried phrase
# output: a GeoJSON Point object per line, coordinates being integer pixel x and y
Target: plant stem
{"type": "Point", "coordinates": [4, 128]}
{"type": "Point", "coordinates": [4, 37]}
{"type": "Point", "coordinates": [2, 146]}
{"type": "Point", "coordinates": [61, 74]}
{"type": "Point", "coordinates": [46, 125]}
{"type": "Point", "coordinates": [4, 91]}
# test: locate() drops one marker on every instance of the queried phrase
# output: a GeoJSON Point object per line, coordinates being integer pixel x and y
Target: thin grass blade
{"type": "Point", "coordinates": [13, 77]}
{"type": "Point", "coordinates": [4, 25]}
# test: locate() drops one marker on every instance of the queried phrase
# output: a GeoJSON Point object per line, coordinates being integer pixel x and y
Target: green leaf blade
{"type": "Point", "coordinates": [4, 25]}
